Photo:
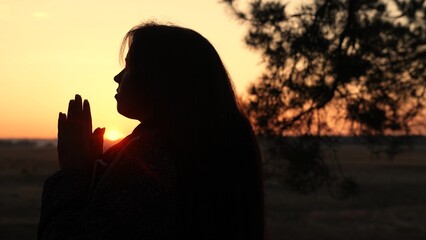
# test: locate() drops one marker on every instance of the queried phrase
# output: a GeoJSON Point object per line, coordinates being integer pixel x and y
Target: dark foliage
{"type": "Point", "coordinates": [334, 67]}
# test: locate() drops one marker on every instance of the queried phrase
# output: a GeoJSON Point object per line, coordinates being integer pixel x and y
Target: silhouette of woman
{"type": "Point", "coordinates": [190, 170]}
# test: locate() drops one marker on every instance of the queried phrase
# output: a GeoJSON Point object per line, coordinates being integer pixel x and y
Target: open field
{"type": "Point", "coordinates": [390, 203]}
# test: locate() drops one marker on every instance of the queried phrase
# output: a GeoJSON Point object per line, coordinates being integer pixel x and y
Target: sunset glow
{"type": "Point", "coordinates": [51, 50]}
{"type": "Point", "coordinates": [113, 135]}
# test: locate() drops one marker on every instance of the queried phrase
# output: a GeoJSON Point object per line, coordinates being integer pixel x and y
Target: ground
{"type": "Point", "coordinates": [390, 202]}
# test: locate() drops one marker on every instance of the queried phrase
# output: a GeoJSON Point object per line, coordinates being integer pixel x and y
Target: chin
{"type": "Point", "coordinates": [127, 112]}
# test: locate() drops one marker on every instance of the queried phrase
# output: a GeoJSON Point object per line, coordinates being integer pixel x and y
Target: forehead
{"type": "Point", "coordinates": [131, 53]}
{"type": "Point", "coordinates": [135, 53]}
{"type": "Point", "coordinates": [128, 57]}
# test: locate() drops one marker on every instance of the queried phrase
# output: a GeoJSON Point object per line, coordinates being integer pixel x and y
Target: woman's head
{"type": "Point", "coordinates": [175, 74]}
{"type": "Point", "coordinates": [175, 79]}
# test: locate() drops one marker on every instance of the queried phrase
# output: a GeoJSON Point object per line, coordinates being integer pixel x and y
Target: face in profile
{"type": "Point", "coordinates": [129, 102]}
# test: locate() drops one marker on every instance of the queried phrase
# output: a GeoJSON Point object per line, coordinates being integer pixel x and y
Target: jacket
{"type": "Point", "coordinates": [131, 194]}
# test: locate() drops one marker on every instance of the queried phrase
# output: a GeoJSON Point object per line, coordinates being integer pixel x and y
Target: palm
{"type": "Point", "coordinates": [78, 147]}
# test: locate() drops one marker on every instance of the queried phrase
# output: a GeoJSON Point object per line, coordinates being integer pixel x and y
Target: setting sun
{"type": "Point", "coordinates": [78, 52]}
{"type": "Point", "coordinates": [113, 135]}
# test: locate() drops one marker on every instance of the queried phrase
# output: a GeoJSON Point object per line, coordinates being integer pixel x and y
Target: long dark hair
{"type": "Point", "coordinates": [190, 98]}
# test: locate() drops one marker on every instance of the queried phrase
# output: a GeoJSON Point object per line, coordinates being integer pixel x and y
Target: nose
{"type": "Point", "coordinates": [119, 76]}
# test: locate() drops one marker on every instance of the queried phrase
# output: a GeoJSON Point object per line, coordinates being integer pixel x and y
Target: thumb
{"type": "Point", "coordinates": [98, 141]}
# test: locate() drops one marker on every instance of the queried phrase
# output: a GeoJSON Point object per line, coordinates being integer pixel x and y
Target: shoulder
{"type": "Point", "coordinates": [138, 160]}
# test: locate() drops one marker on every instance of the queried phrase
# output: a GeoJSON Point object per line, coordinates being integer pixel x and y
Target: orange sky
{"type": "Point", "coordinates": [52, 49]}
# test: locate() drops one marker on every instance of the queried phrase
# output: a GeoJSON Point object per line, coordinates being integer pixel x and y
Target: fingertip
{"type": "Point", "coordinates": [71, 105]}
{"type": "Point", "coordinates": [86, 106]}
{"type": "Point", "coordinates": [103, 131]}
{"type": "Point", "coordinates": [99, 131]}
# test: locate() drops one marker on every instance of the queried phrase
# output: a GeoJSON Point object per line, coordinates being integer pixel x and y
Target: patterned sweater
{"type": "Point", "coordinates": [131, 194]}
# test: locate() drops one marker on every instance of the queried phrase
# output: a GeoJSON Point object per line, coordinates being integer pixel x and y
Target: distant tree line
{"type": "Point", "coordinates": [17, 143]}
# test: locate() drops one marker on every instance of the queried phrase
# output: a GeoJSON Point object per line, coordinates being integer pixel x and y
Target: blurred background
{"type": "Point", "coordinates": [334, 89]}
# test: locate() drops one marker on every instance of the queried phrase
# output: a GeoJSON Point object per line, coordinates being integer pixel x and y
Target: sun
{"type": "Point", "coordinates": [113, 135]}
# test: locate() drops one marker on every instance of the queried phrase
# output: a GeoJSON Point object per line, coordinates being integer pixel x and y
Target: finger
{"type": "Point", "coordinates": [61, 124]}
{"type": "Point", "coordinates": [98, 141]}
{"type": "Point", "coordinates": [87, 118]}
{"type": "Point", "coordinates": [61, 131]}
{"type": "Point", "coordinates": [71, 112]}
{"type": "Point", "coordinates": [78, 107]}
